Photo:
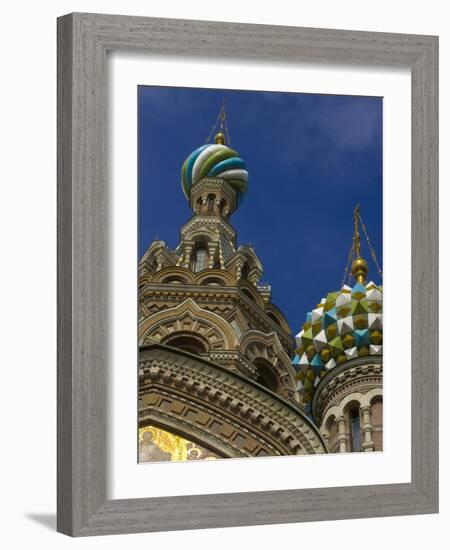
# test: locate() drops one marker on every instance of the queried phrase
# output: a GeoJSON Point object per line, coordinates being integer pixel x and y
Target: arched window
{"type": "Point", "coordinates": [210, 203]}
{"type": "Point", "coordinates": [274, 318]}
{"type": "Point", "coordinates": [266, 375]}
{"type": "Point", "coordinates": [244, 271]}
{"type": "Point", "coordinates": [174, 280]}
{"type": "Point", "coordinates": [200, 258]}
{"type": "Point", "coordinates": [213, 282]}
{"type": "Point", "coordinates": [187, 343]}
{"type": "Point", "coordinates": [355, 428]}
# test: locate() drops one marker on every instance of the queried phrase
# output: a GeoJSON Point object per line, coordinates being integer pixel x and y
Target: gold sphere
{"type": "Point", "coordinates": [220, 138]}
{"type": "Point", "coordinates": [360, 269]}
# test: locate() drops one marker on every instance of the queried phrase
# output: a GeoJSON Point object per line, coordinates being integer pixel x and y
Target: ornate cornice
{"type": "Point", "coordinates": [211, 185]}
{"type": "Point", "coordinates": [211, 223]}
{"type": "Point", "coordinates": [263, 422]}
{"type": "Point", "coordinates": [208, 295]}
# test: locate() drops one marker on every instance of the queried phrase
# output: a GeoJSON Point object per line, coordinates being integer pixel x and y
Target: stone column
{"type": "Point", "coordinates": [238, 270]}
{"type": "Point", "coordinates": [211, 253]}
{"type": "Point", "coordinates": [187, 254]}
{"type": "Point", "coordinates": [159, 261]}
{"type": "Point", "coordinates": [342, 435]}
{"type": "Point", "coordinates": [366, 429]}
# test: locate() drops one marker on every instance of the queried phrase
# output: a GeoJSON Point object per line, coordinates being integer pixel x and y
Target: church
{"type": "Point", "coordinates": [220, 373]}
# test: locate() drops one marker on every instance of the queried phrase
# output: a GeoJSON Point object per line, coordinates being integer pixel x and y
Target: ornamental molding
{"type": "Point", "coordinates": [210, 222]}
{"type": "Point", "coordinates": [211, 185]}
{"type": "Point", "coordinates": [255, 344]}
{"type": "Point", "coordinates": [158, 249]}
{"type": "Point", "coordinates": [219, 297]}
{"type": "Point", "coordinates": [241, 401]}
{"type": "Point", "coordinates": [188, 317]}
{"type": "Point", "coordinates": [358, 375]}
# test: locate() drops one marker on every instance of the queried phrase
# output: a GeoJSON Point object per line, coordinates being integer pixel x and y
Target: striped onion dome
{"type": "Point", "coordinates": [345, 325]}
{"type": "Point", "coordinates": [214, 160]}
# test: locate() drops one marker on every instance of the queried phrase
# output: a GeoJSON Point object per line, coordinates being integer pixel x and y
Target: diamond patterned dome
{"type": "Point", "coordinates": [345, 325]}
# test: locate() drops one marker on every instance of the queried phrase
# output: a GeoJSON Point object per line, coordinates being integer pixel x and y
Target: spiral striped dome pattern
{"type": "Point", "coordinates": [214, 160]}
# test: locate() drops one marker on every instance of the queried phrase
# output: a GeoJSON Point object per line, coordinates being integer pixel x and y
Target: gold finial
{"type": "Point", "coordinates": [360, 270]}
{"type": "Point", "coordinates": [220, 138]}
{"type": "Point", "coordinates": [360, 267]}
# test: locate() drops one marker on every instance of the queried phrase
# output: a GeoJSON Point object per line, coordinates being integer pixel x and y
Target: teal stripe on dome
{"type": "Point", "coordinates": [188, 167]}
{"type": "Point", "coordinates": [214, 159]}
{"type": "Point", "coordinates": [203, 157]}
{"type": "Point", "coordinates": [227, 164]}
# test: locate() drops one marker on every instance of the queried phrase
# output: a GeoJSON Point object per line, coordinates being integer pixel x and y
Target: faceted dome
{"type": "Point", "coordinates": [214, 160]}
{"type": "Point", "coordinates": [345, 325]}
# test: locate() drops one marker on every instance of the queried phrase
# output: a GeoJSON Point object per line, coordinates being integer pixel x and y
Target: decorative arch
{"type": "Point", "coordinates": [179, 272]}
{"type": "Point", "coordinates": [187, 318]}
{"type": "Point", "coordinates": [353, 403]}
{"type": "Point", "coordinates": [174, 279]}
{"type": "Point", "coordinates": [157, 257]}
{"type": "Point", "coordinates": [341, 408]}
{"type": "Point", "coordinates": [246, 263]}
{"type": "Point", "coordinates": [265, 349]}
{"type": "Point", "coordinates": [223, 276]}
{"type": "Point", "coordinates": [371, 396]}
{"type": "Point", "coordinates": [250, 255]}
{"type": "Point", "coordinates": [144, 279]}
{"type": "Point", "coordinates": [187, 341]}
{"type": "Point", "coordinates": [203, 233]}
{"type": "Point", "coordinates": [267, 375]}
{"type": "Point", "coordinates": [277, 316]}
{"type": "Point", "coordinates": [251, 292]}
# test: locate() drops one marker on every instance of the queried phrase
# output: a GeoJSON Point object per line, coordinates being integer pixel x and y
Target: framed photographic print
{"type": "Point", "coordinates": [247, 271]}
{"type": "Point", "coordinates": [207, 318]}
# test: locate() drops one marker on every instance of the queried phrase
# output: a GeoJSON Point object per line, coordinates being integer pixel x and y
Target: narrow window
{"type": "Point", "coordinates": [244, 271]}
{"type": "Point", "coordinates": [266, 374]}
{"type": "Point", "coordinates": [355, 424]}
{"type": "Point", "coordinates": [201, 259]}
{"type": "Point", "coordinates": [211, 199]}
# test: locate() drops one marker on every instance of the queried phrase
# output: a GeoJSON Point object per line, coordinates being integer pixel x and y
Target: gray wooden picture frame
{"type": "Point", "coordinates": [83, 41]}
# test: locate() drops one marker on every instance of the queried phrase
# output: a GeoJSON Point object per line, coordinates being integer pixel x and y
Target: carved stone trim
{"type": "Point", "coordinates": [278, 425]}
{"type": "Point", "coordinates": [206, 296]}
{"type": "Point", "coordinates": [361, 374]}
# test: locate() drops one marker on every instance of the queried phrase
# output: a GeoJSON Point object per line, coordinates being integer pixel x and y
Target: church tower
{"type": "Point", "coordinates": [215, 359]}
{"type": "Point", "coordinates": [339, 359]}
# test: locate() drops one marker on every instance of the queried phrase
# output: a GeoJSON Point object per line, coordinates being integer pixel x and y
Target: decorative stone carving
{"type": "Point", "coordinates": [222, 410]}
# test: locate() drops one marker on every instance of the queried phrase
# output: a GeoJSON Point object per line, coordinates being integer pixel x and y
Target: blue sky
{"type": "Point", "coordinates": [310, 158]}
